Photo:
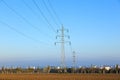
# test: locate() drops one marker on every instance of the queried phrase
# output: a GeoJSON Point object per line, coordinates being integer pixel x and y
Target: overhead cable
{"type": "Point", "coordinates": [26, 4]}
{"type": "Point", "coordinates": [54, 12]}
{"type": "Point", "coordinates": [50, 13]}
{"type": "Point", "coordinates": [21, 33]}
{"type": "Point", "coordinates": [22, 17]}
{"type": "Point", "coordinates": [50, 26]}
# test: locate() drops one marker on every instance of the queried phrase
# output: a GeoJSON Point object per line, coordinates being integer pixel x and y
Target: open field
{"type": "Point", "coordinates": [59, 76]}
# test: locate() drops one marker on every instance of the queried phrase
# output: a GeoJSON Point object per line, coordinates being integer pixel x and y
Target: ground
{"type": "Point", "coordinates": [60, 76]}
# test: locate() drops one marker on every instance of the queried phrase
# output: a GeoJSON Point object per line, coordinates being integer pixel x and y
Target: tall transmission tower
{"type": "Point", "coordinates": [62, 41]}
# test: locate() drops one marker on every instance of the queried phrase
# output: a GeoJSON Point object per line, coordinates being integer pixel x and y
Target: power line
{"type": "Point", "coordinates": [55, 13]}
{"type": "Point", "coordinates": [26, 4]}
{"type": "Point", "coordinates": [43, 15]}
{"type": "Point", "coordinates": [22, 17]}
{"type": "Point", "coordinates": [12, 28]}
{"type": "Point", "coordinates": [50, 13]}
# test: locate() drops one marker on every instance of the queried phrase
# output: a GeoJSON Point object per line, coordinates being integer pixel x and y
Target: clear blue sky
{"type": "Point", "coordinates": [94, 27]}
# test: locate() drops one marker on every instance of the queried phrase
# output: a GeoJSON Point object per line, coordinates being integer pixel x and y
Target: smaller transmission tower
{"type": "Point", "coordinates": [74, 61]}
{"type": "Point", "coordinates": [62, 41]}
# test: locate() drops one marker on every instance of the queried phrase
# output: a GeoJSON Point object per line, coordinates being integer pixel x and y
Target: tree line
{"type": "Point", "coordinates": [52, 69]}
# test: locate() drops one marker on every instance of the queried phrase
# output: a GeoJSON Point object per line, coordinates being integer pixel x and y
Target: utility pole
{"type": "Point", "coordinates": [62, 41]}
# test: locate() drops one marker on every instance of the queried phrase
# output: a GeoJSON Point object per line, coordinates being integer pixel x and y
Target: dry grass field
{"type": "Point", "coordinates": [59, 76]}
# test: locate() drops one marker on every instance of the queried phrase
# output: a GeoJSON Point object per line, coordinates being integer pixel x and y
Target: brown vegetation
{"type": "Point", "coordinates": [59, 76]}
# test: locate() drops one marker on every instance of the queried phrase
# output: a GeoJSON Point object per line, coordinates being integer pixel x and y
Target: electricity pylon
{"type": "Point", "coordinates": [74, 62]}
{"type": "Point", "coordinates": [62, 41]}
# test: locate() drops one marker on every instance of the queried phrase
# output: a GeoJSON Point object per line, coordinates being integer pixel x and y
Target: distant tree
{"type": "Point", "coordinates": [18, 70]}
{"type": "Point", "coordinates": [30, 70]}
{"type": "Point", "coordinates": [69, 70]}
{"type": "Point", "coordinates": [3, 69]}
{"type": "Point", "coordinates": [47, 69]}
{"type": "Point", "coordinates": [37, 70]}
{"type": "Point", "coordinates": [116, 68]}
{"type": "Point", "coordinates": [103, 70]}
{"type": "Point", "coordinates": [82, 70]}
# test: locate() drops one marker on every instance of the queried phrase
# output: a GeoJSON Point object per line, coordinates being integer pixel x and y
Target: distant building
{"type": "Point", "coordinates": [119, 66]}
{"type": "Point", "coordinates": [107, 68]}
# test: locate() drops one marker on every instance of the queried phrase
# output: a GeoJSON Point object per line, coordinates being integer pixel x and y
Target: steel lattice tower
{"type": "Point", "coordinates": [62, 41]}
{"type": "Point", "coordinates": [74, 61]}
